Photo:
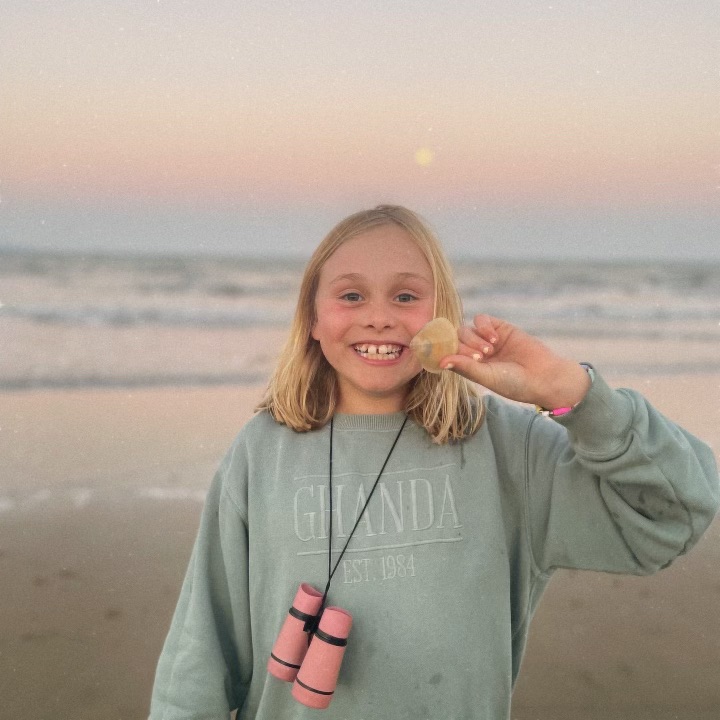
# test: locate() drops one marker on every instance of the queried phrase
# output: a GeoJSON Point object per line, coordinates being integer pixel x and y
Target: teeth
{"type": "Point", "coordinates": [376, 352]}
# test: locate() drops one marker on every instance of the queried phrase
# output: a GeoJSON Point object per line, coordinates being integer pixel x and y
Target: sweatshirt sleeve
{"type": "Point", "coordinates": [206, 663]}
{"type": "Point", "coordinates": [614, 486]}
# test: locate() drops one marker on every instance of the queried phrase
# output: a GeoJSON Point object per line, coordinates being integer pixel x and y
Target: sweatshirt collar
{"type": "Point", "coordinates": [389, 421]}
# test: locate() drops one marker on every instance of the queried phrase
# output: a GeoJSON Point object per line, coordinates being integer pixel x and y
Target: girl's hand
{"type": "Point", "coordinates": [518, 366]}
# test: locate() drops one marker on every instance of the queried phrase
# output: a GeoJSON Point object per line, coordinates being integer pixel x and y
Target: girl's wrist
{"type": "Point", "coordinates": [573, 383]}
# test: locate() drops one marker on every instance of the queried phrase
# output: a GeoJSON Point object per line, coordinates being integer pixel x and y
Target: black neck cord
{"type": "Point", "coordinates": [331, 570]}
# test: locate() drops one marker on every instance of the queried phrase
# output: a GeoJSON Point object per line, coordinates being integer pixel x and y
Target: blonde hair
{"type": "Point", "coordinates": [303, 390]}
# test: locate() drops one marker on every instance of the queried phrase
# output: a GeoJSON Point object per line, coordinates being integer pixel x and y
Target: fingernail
{"type": "Point", "coordinates": [493, 340]}
{"type": "Point", "coordinates": [449, 366]}
{"type": "Point", "coordinates": [477, 356]}
{"type": "Point", "coordinates": [486, 350]}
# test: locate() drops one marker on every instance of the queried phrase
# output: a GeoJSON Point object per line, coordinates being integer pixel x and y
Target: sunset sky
{"type": "Point", "coordinates": [542, 128]}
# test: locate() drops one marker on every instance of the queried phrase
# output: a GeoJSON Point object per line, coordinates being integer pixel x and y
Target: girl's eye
{"type": "Point", "coordinates": [405, 297]}
{"type": "Point", "coordinates": [351, 297]}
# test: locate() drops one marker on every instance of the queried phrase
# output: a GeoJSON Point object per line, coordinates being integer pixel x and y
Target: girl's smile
{"type": "Point", "coordinates": [375, 292]}
{"type": "Point", "coordinates": [382, 353]}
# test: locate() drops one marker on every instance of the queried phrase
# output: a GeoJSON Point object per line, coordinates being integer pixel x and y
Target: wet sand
{"type": "Point", "coordinates": [100, 495]}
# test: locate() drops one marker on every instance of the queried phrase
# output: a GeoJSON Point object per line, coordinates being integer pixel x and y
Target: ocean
{"type": "Point", "coordinates": [72, 320]}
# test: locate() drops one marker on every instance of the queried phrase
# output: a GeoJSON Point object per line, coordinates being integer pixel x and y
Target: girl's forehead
{"type": "Point", "coordinates": [388, 249]}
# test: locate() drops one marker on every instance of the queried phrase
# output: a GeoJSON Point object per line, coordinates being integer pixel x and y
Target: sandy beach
{"type": "Point", "coordinates": [168, 171]}
{"type": "Point", "coordinates": [102, 491]}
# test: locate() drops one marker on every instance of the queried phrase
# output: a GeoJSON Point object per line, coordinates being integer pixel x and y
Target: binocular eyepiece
{"type": "Point", "coordinates": [310, 647]}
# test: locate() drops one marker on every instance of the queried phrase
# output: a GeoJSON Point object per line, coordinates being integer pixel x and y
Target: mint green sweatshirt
{"type": "Point", "coordinates": [447, 565]}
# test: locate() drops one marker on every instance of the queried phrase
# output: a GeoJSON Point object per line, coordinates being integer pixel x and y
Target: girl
{"type": "Point", "coordinates": [439, 515]}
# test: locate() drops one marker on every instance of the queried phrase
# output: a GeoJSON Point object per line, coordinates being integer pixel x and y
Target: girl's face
{"type": "Point", "coordinates": [374, 293]}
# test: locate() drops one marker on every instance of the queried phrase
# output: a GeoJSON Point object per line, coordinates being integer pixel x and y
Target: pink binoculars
{"type": "Point", "coordinates": [311, 659]}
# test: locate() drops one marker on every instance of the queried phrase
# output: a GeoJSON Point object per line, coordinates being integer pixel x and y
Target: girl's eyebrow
{"type": "Point", "coordinates": [352, 277]}
{"type": "Point", "coordinates": [357, 277]}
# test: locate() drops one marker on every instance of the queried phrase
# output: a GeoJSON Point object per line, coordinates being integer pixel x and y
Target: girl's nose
{"type": "Point", "coordinates": [379, 315]}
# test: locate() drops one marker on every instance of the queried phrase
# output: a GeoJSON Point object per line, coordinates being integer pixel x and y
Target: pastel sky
{"type": "Point", "coordinates": [227, 126]}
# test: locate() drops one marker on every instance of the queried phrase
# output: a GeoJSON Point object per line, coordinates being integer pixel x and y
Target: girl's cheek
{"type": "Point", "coordinates": [423, 317]}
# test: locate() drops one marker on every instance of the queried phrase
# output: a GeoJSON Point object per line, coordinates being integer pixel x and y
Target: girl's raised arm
{"type": "Point", "coordinates": [510, 362]}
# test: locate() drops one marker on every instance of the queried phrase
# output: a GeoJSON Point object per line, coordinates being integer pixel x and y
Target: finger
{"type": "Point", "coordinates": [487, 327]}
{"type": "Point", "coordinates": [472, 351]}
{"type": "Point", "coordinates": [471, 343]}
{"type": "Point", "coordinates": [467, 367]}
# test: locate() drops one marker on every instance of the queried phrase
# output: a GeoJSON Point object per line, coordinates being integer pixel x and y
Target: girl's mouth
{"type": "Point", "coordinates": [379, 352]}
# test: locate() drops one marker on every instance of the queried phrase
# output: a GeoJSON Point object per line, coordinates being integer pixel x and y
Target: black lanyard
{"type": "Point", "coordinates": [331, 570]}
